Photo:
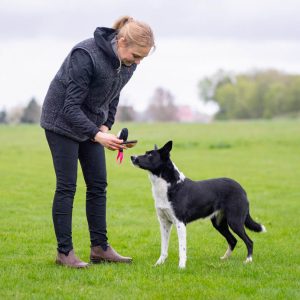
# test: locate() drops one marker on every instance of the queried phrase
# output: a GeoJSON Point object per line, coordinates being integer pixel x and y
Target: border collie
{"type": "Point", "coordinates": [179, 200]}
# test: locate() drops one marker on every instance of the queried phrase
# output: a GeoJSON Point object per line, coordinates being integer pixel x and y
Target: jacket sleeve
{"type": "Point", "coordinates": [80, 74]}
{"type": "Point", "coordinates": [112, 112]}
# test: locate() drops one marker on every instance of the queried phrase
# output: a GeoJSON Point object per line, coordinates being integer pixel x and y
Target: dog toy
{"type": "Point", "coordinates": [123, 135]}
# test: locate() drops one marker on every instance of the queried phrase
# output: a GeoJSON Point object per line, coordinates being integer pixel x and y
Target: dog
{"type": "Point", "coordinates": [179, 201]}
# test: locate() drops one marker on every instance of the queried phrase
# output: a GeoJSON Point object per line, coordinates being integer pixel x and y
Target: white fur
{"type": "Point", "coordinates": [159, 191]}
{"type": "Point", "coordinates": [214, 214]}
{"type": "Point", "coordinates": [248, 260]}
{"type": "Point", "coordinates": [263, 228]}
{"type": "Point", "coordinates": [181, 232]}
{"type": "Point", "coordinates": [181, 175]}
{"type": "Point", "coordinates": [166, 217]}
{"type": "Point", "coordinates": [227, 253]}
{"type": "Point", "coordinates": [165, 230]}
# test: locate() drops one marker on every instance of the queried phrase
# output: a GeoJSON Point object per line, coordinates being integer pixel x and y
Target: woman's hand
{"type": "Point", "coordinates": [109, 141]}
{"type": "Point", "coordinates": [103, 128]}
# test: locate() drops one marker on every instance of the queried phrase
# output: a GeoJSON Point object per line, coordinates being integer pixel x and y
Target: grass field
{"type": "Point", "coordinates": [264, 156]}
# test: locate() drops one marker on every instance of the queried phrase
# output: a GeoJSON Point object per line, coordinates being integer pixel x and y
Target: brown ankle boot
{"type": "Point", "coordinates": [70, 260]}
{"type": "Point", "coordinates": [98, 255]}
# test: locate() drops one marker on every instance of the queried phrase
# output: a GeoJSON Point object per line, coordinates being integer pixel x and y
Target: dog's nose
{"type": "Point", "coordinates": [134, 158]}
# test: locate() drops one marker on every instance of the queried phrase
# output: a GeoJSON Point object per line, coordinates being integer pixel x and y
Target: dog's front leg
{"type": "Point", "coordinates": [165, 230]}
{"type": "Point", "coordinates": [181, 232]}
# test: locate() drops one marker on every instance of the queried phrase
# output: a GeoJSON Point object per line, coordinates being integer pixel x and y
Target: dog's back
{"type": "Point", "coordinates": [192, 200]}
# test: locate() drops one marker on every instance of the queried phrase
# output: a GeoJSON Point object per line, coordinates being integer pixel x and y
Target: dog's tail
{"type": "Point", "coordinates": [252, 225]}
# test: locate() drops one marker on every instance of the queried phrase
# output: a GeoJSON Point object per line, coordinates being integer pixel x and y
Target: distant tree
{"type": "Point", "coordinates": [208, 86]}
{"type": "Point", "coordinates": [125, 113]}
{"type": "Point", "coordinates": [3, 117]}
{"type": "Point", "coordinates": [14, 115]}
{"type": "Point", "coordinates": [259, 94]}
{"type": "Point", "coordinates": [161, 106]}
{"type": "Point", "coordinates": [32, 112]}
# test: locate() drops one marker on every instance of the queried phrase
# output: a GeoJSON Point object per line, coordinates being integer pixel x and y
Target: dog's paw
{"type": "Point", "coordinates": [182, 262]}
{"type": "Point", "coordinates": [224, 257]}
{"type": "Point", "coordinates": [161, 260]}
{"type": "Point", "coordinates": [248, 260]}
{"type": "Point", "coordinates": [227, 254]}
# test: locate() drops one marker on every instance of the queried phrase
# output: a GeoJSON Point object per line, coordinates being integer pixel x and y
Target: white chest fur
{"type": "Point", "coordinates": [160, 189]}
{"type": "Point", "coordinates": [160, 192]}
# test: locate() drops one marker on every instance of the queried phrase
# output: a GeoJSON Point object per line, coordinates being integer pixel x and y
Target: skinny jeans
{"type": "Point", "coordinates": [65, 154]}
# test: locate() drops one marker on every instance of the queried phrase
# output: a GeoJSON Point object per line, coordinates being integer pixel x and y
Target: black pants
{"type": "Point", "coordinates": [65, 154]}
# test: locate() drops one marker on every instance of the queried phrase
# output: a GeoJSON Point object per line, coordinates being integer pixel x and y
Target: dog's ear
{"type": "Point", "coordinates": [165, 150]}
{"type": "Point", "coordinates": [155, 147]}
{"type": "Point", "coordinates": [168, 146]}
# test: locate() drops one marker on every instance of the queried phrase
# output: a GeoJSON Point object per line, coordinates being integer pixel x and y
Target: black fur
{"type": "Point", "coordinates": [192, 200]}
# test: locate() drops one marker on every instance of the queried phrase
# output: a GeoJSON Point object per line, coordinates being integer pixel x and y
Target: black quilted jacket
{"type": "Point", "coordinates": [79, 115]}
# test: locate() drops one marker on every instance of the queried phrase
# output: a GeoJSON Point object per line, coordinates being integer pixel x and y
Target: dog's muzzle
{"type": "Point", "coordinates": [134, 159]}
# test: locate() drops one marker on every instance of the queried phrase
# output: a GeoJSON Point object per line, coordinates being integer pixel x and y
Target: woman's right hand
{"type": "Point", "coordinates": [109, 141]}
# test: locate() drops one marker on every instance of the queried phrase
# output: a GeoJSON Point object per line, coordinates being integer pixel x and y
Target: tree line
{"type": "Point", "coordinates": [161, 107]}
{"type": "Point", "coordinates": [30, 114]}
{"type": "Point", "coordinates": [253, 95]}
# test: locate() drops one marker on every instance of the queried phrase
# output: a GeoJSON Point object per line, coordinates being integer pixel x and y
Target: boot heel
{"type": "Point", "coordinates": [96, 260]}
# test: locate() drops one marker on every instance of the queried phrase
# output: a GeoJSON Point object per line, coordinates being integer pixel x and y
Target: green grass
{"type": "Point", "coordinates": [263, 156]}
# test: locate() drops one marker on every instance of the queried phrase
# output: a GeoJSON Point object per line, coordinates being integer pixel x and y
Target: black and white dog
{"type": "Point", "coordinates": [179, 200]}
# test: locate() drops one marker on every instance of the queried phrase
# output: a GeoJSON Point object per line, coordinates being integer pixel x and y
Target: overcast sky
{"type": "Point", "coordinates": [194, 39]}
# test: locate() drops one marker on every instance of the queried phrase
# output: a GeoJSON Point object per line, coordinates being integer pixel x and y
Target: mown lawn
{"type": "Point", "coordinates": [264, 156]}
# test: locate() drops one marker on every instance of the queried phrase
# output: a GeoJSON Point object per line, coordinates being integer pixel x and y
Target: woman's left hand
{"type": "Point", "coordinates": [109, 141]}
{"type": "Point", "coordinates": [104, 128]}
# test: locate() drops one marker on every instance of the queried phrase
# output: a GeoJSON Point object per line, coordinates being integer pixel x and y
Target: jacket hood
{"type": "Point", "coordinates": [103, 37]}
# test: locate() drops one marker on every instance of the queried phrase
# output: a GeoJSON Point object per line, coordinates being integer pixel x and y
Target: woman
{"type": "Point", "coordinates": [78, 111]}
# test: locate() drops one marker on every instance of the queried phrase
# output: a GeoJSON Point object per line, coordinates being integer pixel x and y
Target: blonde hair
{"type": "Point", "coordinates": [134, 32]}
